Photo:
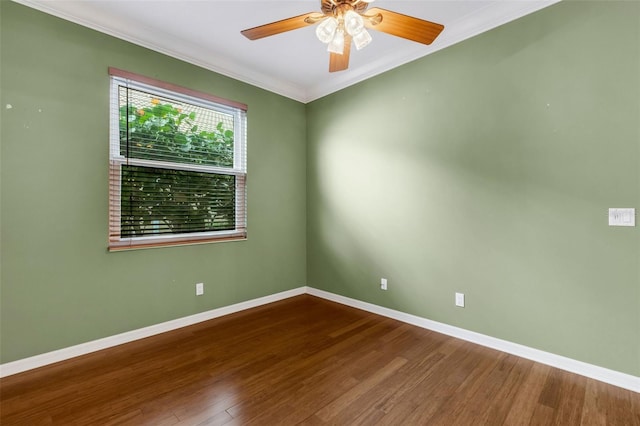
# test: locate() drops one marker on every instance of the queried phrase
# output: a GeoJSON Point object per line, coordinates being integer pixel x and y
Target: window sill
{"type": "Point", "coordinates": [160, 243]}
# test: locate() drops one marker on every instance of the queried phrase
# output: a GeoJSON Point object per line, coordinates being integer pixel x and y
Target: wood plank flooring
{"type": "Point", "coordinates": [308, 361]}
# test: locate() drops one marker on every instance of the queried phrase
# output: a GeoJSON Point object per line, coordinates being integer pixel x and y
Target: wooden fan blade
{"type": "Point", "coordinates": [281, 26]}
{"type": "Point", "coordinates": [404, 26]}
{"type": "Point", "coordinates": [341, 62]}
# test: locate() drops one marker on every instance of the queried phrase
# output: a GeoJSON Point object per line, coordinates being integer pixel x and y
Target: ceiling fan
{"type": "Point", "coordinates": [342, 22]}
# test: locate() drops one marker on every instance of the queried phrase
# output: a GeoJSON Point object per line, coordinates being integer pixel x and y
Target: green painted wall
{"type": "Point", "coordinates": [60, 286]}
{"type": "Point", "coordinates": [488, 168]}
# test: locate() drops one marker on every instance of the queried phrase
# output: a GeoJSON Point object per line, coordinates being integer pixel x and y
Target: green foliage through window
{"type": "Point", "coordinates": [162, 200]}
{"type": "Point", "coordinates": [157, 129]}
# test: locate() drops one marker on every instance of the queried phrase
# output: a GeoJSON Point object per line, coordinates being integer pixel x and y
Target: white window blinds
{"type": "Point", "coordinates": [177, 165]}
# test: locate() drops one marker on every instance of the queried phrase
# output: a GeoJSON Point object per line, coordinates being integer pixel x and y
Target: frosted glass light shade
{"type": "Point", "coordinates": [361, 39]}
{"type": "Point", "coordinates": [337, 43]}
{"type": "Point", "coordinates": [353, 23]}
{"type": "Point", "coordinates": [327, 29]}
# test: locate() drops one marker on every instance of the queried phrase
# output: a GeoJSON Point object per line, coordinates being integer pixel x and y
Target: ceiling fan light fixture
{"type": "Point", "coordinates": [337, 42]}
{"type": "Point", "coordinates": [341, 21]}
{"type": "Point", "coordinates": [362, 39]}
{"type": "Point", "coordinates": [353, 23]}
{"type": "Point", "coordinates": [327, 29]}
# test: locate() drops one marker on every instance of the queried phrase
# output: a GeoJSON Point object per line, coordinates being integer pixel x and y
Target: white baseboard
{"type": "Point", "coordinates": [605, 375]}
{"type": "Point", "coordinates": [41, 360]}
{"type": "Point", "coordinates": [602, 374]}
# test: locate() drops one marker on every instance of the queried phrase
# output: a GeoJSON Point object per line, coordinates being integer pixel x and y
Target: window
{"type": "Point", "coordinates": [177, 165]}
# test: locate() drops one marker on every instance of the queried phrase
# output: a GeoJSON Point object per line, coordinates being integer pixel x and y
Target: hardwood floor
{"type": "Point", "coordinates": [308, 361]}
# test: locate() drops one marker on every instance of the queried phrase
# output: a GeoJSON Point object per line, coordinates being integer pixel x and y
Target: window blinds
{"type": "Point", "coordinates": [177, 165]}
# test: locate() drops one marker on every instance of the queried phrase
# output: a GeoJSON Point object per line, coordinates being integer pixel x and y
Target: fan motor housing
{"type": "Point", "coordinates": [329, 7]}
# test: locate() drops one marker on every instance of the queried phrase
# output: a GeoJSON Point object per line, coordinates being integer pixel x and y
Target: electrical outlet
{"type": "Point", "coordinates": [622, 217]}
{"type": "Point", "coordinates": [383, 283]}
{"type": "Point", "coordinates": [199, 289]}
{"type": "Point", "coordinates": [460, 300]}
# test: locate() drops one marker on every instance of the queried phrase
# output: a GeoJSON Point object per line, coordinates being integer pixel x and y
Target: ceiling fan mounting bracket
{"type": "Point", "coordinates": [337, 7]}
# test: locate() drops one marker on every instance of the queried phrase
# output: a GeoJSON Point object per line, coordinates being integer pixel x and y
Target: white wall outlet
{"type": "Point", "coordinates": [460, 300]}
{"type": "Point", "coordinates": [199, 289]}
{"type": "Point", "coordinates": [622, 217]}
{"type": "Point", "coordinates": [383, 283]}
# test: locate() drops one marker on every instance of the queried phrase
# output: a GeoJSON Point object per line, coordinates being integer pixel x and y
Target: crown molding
{"type": "Point", "coordinates": [220, 66]}
{"type": "Point", "coordinates": [493, 15]}
{"type": "Point", "coordinates": [490, 17]}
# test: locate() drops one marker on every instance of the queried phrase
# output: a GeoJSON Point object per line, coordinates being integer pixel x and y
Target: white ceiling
{"type": "Point", "coordinates": [294, 64]}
